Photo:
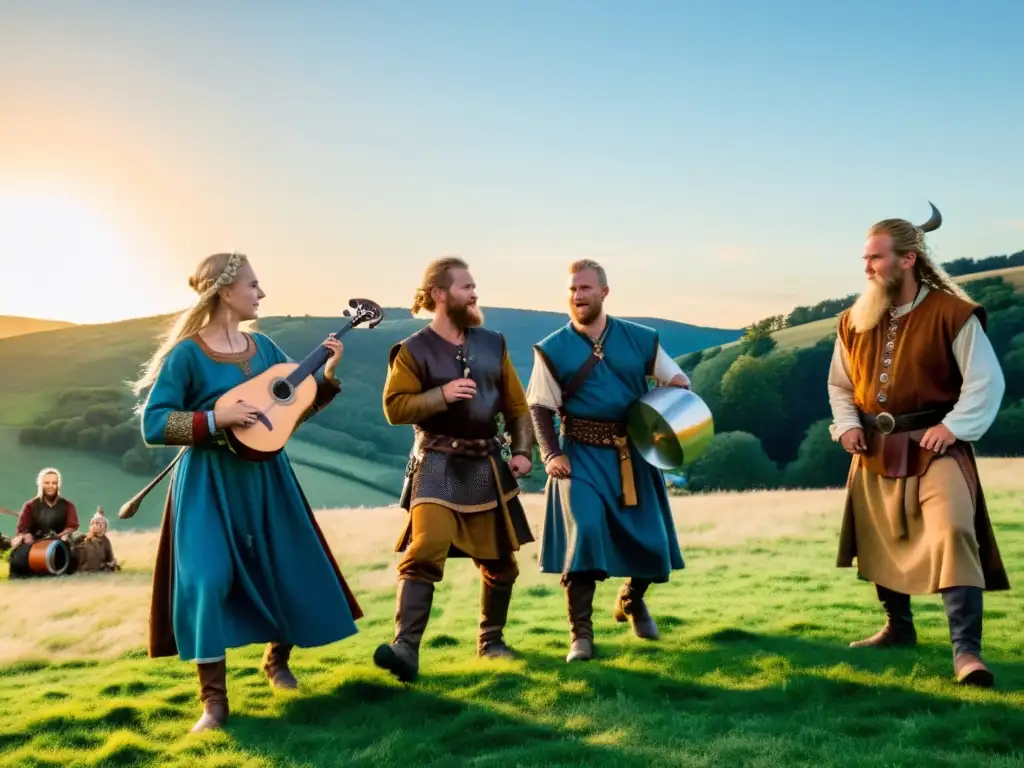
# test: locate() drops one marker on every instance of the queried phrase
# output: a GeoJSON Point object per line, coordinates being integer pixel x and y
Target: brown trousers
{"type": "Point", "coordinates": [436, 529]}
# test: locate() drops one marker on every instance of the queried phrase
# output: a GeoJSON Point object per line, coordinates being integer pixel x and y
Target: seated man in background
{"type": "Point", "coordinates": [46, 515]}
{"type": "Point", "coordinates": [96, 553]}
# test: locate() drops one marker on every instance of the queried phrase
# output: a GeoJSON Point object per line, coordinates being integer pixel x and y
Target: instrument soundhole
{"type": "Point", "coordinates": [281, 390]}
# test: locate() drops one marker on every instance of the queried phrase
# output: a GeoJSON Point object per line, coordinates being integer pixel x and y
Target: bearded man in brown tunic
{"type": "Point", "coordinates": [451, 380]}
{"type": "Point", "coordinates": [914, 381]}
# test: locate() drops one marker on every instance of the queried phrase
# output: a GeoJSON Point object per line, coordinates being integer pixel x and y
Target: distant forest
{"type": "Point", "coordinates": [832, 307]}
{"type": "Point", "coordinates": [772, 412]}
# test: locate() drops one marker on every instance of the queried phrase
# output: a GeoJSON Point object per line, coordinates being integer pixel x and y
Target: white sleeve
{"type": "Point", "coordinates": [981, 394]}
{"type": "Point", "coordinates": [840, 394]}
{"type": "Point", "coordinates": [666, 369]}
{"type": "Point", "coordinates": [543, 388]}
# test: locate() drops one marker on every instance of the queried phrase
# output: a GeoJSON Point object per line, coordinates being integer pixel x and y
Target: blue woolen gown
{"type": "Point", "coordinates": [249, 565]}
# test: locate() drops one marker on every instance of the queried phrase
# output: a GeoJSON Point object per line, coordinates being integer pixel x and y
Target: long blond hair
{"type": "Point", "coordinates": [909, 238]}
{"type": "Point", "coordinates": [213, 273]}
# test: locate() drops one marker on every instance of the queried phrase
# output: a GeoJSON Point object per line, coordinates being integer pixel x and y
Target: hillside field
{"type": "Point", "coordinates": [809, 334]}
{"type": "Point", "coordinates": [91, 481]}
{"type": "Point", "coordinates": [753, 667]}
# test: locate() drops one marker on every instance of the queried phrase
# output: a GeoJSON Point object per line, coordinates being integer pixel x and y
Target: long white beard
{"type": "Point", "coordinates": [867, 311]}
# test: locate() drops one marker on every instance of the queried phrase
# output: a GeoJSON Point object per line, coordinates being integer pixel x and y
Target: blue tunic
{"type": "Point", "coordinates": [586, 526]}
{"type": "Point", "coordinates": [249, 564]}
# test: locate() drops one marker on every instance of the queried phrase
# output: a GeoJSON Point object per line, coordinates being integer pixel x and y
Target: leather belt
{"type": "Point", "coordinates": [462, 446]}
{"type": "Point", "coordinates": [888, 424]}
{"type": "Point", "coordinates": [611, 434]}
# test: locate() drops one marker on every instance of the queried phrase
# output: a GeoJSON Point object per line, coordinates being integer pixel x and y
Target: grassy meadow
{"type": "Point", "coordinates": [752, 669]}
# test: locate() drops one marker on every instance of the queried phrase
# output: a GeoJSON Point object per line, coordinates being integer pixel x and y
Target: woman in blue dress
{"type": "Point", "coordinates": [241, 558]}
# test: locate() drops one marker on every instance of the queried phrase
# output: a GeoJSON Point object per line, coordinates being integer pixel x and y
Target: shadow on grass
{"type": "Point", "coordinates": [719, 704]}
{"type": "Point", "coordinates": [729, 698]}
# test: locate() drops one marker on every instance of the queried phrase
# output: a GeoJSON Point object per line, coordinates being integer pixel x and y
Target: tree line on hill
{"type": "Point", "coordinates": [772, 412]}
{"type": "Point", "coordinates": [829, 308]}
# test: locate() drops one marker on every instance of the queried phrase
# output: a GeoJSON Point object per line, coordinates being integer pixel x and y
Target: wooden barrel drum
{"type": "Point", "coordinates": [49, 556]}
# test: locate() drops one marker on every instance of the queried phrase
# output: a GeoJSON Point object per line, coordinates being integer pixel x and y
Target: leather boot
{"type": "Point", "coordinates": [213, 693]}
{"type": "Point", "coordinates": [964, 612]}
{"type": "Point", "coordinates": [275, 666]}
{"type": "Point", "coordinates": [402, 657]}
{"type": "Point", "coordinates": [494, 601]}
{"type": "Point", "coordinates": [630, 606]}
{"type": "Point", "coordinates": [579, 594]}
{"type": "Point", "coordinates": [898, 630]}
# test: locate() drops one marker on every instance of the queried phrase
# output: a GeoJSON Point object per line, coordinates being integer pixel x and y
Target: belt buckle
{"type": "Point", "coordinates": [885, 422]}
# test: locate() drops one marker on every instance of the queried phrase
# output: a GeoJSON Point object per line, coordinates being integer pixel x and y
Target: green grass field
{"type": "Point", "coordinates": [94, 480]}
{"type": "Point", "coordinates": [753, 668]}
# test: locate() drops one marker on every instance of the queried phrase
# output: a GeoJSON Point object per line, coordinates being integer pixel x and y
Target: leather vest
{"type": "Point", "coordinates": [46, 518]}
{"type": "Point", "coordinates": [438, 361]}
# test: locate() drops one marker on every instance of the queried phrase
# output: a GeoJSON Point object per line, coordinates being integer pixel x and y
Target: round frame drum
{"type": "Point", "coordinates": [670, 427]}
{"type": "Point", "coordinates": [50, 556]}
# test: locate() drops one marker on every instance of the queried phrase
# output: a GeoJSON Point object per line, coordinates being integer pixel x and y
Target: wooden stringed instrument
{"type": "Point", "coordinates": [284, 392]}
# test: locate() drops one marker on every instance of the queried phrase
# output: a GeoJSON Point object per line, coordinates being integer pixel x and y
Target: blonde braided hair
{"type": "Point", "coordinates": [213, 273]}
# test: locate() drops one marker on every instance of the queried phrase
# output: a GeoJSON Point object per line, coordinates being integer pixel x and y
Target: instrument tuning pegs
{"type": "Point", "coordinates": [346, 313]}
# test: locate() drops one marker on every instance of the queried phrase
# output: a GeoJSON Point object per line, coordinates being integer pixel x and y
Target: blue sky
{"type": "Point", "coordinates": [723, 160]}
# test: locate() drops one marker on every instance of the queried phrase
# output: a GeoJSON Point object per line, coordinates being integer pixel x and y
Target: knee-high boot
{"type": "Point", "coordinates": [899, 622]}
{"type": "Point", "coordinates": [494, 602]}
{"type": "Point", "coordinates": [579, 593]}
{"type": "Point", "coordinates": [402, 656]}
{"type": "Point", "coordinates": [213, 693]}
{"type": "Point", "coordinates": [964, 613]}
{"type": "Point", "coordinates": [275, 666]}
{"type": "Point", "coordinates": [630, 606]}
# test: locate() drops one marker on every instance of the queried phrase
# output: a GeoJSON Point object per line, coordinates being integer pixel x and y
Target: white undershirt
{"type": "Point", "coordinates": [980, 396]}
{"type": "Point", "coordinates": [544, 390]}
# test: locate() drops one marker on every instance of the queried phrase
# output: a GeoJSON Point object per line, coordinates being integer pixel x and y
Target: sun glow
{"type": "Point", "coordinates": [62, 259]}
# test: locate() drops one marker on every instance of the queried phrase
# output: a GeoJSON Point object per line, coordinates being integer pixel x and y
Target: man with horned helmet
{"type": "Point", "coordinates": [450, 380]}
{"type": "Point", "coordinates": [913, 382]}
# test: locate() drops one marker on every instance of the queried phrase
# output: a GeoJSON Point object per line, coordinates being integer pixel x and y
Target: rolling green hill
{"type": "Point", "coordinates": [92, 356]}
{"type": "Point", "coordinates": [809, 334]}
{"type": "Point", "coordinates": [769, 395]}
{"type": "Point", "coordinates": [64, 402]}
{"type": "Point", "coordinates": [329, 479]}
{"type": "Point", "coordinates": [11, 325]}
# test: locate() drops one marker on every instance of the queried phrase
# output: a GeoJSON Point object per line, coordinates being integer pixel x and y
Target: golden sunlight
{"type": "Point", "coordinates": [61, 259]}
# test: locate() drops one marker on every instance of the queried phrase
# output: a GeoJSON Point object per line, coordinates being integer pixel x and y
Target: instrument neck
{"type": "Point", "coordinates": [316, 359]}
